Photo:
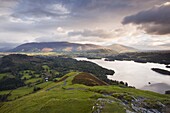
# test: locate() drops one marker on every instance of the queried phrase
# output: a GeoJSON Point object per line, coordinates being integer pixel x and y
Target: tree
{"type": "Point", "coordinates": [36, 89]}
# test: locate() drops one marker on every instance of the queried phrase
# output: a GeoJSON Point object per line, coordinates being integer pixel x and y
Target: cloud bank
{"type": "Point", "coordinates": [84, 21]}
{"type": "Point", "coordinates": [92, 33]}
{"type": "Point", "coordinates": [154, 21]}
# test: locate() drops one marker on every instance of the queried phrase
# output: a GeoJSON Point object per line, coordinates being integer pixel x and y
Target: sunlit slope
{"type": "Point", "coordinates": [66, 96]}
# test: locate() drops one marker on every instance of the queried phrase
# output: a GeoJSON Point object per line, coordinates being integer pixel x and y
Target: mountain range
{"type": "Point", "coordinates": [70, 47]}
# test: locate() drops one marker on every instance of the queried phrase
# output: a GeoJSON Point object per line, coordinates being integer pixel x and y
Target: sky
{"type": "Point", "coordinates": [143, 24]}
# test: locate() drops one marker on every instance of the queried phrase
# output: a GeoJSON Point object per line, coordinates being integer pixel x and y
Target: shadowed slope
{"type": "Point", "coordinates": [88, 79]}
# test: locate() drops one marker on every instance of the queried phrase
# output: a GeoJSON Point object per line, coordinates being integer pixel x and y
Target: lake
{"type": "Point", "coordinates": [136, 74]}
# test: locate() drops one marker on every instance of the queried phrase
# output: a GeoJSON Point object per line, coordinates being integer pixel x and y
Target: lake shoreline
{"type": "Point", "coordinates": [134, 73]}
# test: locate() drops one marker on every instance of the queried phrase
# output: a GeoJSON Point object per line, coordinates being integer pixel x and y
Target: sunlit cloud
{"type": "Point", "coordinates": [86, 21]}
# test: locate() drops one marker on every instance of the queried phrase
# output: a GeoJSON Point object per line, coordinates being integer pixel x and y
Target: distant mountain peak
{"type": "Point", "coordinates": [121, 48]}
{"type": "Point", "coordinates": [70, 47]}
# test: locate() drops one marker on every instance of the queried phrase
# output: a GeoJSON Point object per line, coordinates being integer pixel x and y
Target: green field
{"type": "Point", "coordinates": [23, 91]}
{"type": "Point", "coordinates": [6, 75]}
{"type": "Point", "coordinates": [33, 80]}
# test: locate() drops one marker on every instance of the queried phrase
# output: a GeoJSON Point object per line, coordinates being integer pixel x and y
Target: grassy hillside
{"type": "Point", "coordinates": [64, 96]}
{"type": "Point", "coordinates": [43, 84]}
{"type": "Point", "coordinates": [88, 79]}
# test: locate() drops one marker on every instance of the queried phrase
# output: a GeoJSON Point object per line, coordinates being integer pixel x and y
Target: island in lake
{"type": "Point", "coordinates": [161, 71]}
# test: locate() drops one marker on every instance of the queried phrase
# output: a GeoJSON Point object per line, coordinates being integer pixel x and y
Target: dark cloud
{"type": "Point", "coordinates": [72, 11]}
{"type": "Point", "coordinates": [91, 33]}
{"type": "Point", "coordinates": [36, 10]}
{"type": "Point", "coordinates": [96, 4]}
{"type": "Point", "coordinates": [29, 9]}
{"type": "Point", "coordinates": [157, 29]}
{"type": "Point", "coordinates": [45, 7]}
{"type": "Point", "coordinates": [155, 20]}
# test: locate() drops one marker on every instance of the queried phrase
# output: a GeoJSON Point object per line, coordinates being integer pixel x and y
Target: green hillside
{"type": "Point", "coordinates": [62, 96]}
{"type": "Point", "coordinates": [42, 84]}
